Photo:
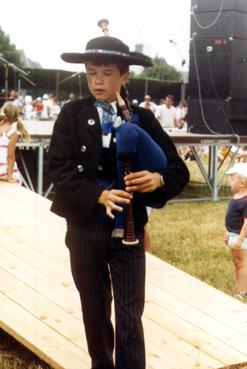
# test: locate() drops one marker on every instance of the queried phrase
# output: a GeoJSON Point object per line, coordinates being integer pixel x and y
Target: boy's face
{"type": "Point", "coordinates": [104, 80]}
{"type": "Point", "coordinates": [236, 182]}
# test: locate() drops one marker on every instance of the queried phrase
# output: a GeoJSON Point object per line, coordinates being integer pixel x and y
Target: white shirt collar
{"type": "Point", "coordinates": [114, 106]}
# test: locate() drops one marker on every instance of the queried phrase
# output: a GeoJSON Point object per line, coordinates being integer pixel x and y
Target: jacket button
{"type": "Point", "coordinates": [80, 168]}
{"type": "Point", "coordinates": [83, 148]}
{"type": "Point", "coordinates": [91, 122]}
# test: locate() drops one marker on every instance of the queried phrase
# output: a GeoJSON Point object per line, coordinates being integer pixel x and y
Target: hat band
{"type": "Point", "coordinates": [104, 51]}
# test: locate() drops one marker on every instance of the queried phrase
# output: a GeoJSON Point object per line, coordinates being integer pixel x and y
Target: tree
{"type": "Point", "coordinates": [161, 71]}
{"type": "Point", "coordinates": [8, 50]}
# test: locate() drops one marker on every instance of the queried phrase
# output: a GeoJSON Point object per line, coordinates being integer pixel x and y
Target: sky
{"type": "Point", "coordinates": [45, 29]}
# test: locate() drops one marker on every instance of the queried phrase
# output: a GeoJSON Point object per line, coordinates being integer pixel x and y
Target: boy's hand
{"type": "Point", "coordinates": [226, 238]}
{"type": "Point", "coordinates": [237, 244]}
{"type": "Point", "coordinates": [110, 199]}
{"type": "Point", "coordinates": [143, 181]}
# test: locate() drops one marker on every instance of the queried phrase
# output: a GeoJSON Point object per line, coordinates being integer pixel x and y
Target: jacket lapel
{"type": "Point", "coordinates": [89, 121]}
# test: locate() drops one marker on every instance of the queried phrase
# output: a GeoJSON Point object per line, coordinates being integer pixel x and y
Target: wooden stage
{"type": "Point", "coordinates": [188, 324]}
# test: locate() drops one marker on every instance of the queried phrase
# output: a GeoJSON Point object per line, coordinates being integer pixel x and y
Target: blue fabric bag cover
{"type": "Point", "coordinates": [134, 145]}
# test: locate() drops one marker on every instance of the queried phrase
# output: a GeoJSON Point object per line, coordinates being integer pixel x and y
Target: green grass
{"type": "Point", "coordinates": [14, 356]}
{"type": "Point", "coordinates": [190, 237]}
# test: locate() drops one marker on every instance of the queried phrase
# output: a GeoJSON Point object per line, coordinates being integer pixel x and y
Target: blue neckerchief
{"type": "Point", "coordinates": [134, 118]}
{"type": "Point", "coordinates": [107, 116]}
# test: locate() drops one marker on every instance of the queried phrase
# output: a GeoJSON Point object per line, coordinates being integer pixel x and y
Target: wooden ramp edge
{"type": "Point", "coordinates": [188, 324]}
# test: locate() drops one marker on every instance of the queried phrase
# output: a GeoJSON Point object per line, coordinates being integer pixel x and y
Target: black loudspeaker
{"type": "Point", "coordinates": [217, 116]}
{"type": "Point", "coordinates": [218, 65]}
{"type": "Point", "coordinates": [231, 23]}
{"type": "Point", "coordinates": [221, 67]}
{"type": "Point", "coordinates": [215, 5]}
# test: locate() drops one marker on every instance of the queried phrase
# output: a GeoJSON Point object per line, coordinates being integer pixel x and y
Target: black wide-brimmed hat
{"type": "Point", "coordinates": [110, 48]}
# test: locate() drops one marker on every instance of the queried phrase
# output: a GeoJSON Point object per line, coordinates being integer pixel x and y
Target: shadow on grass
{"type": "Point", "coordinates": [13, 355]}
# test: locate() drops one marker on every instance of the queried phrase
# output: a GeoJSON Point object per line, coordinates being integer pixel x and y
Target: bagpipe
{"type": "Point", "coordinates": [136, 151]}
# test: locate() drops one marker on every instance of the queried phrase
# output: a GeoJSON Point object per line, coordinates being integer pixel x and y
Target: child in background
{"type": "Point", "coordinates": [11, 127]}
{"type": "Point", "coordinates": [236, 225]}
{"type": "Point", "coordinates": [38, 107]}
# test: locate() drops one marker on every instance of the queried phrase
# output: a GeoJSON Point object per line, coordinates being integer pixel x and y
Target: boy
{"type": "Point", "coordinates": [80, 157]}
{"type": "Point", "coordinates": [236, 225]}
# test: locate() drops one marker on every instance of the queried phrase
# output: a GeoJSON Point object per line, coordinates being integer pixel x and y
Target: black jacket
{"type": "Point", "coordinates": [74, 155]}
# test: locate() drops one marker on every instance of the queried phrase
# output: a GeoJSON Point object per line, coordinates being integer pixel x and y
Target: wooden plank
{"type": "Point", "coordinates": [178, 356]}
{"type": "Point", "coordinates": [190, 325]}
{"type": "Point", "coordinates": [43, 309]}
{"type": "Point", "coordinates": [180, 331]}
{"type": "Point", "coordinates": [177, 353]}
{"type": "Point", "coordinates": [39, 338]}
{"type": "Point", "coordinates": [41, 283]}
{"type": "Point", "coordinates": [44, 286]}
{"type": "Point", "coordinates": [27, 297]}
{"type": "Point", "coordinates": [39, 236]}
{"type": "Point", "coordinates": [216, 305]}
{"type": "Point", "coordinates": [69, 327]}
{"type": "Point", "coordinates": [200, 295]}
{"type": "Point", "coordinates": [51, 268]}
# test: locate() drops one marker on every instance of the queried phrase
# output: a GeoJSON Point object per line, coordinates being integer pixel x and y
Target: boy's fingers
{"type": "Point", "coordinates": [135, 175]}
{"type": "Point", "coordinates": [109, 213]}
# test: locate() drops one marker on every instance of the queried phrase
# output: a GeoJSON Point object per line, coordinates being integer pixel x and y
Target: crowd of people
{"type": "Point", "coordinates": [45, 107]}
{"type": "Point", "coordinates": [168, 115]}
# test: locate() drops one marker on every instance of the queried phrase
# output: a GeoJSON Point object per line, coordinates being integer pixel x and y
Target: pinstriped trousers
{"type": "Point", "coordinates": [101, 265]}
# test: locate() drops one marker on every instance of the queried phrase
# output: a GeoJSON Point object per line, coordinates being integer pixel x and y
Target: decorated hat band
{"type": "Point", "coordinates": [103, 51]}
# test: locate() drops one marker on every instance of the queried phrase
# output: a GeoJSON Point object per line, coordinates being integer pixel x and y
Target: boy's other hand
{"type": "Point", "coordinates": [110, 199]}
{"type": "Point", "coordinates": [143, 181]}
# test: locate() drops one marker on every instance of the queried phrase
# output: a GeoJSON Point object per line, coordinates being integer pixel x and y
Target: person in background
{"type": "Point", "coordinates": [239, 153]}
{"type": "Point", "coordinates": [50, 102]}
{"type": "Point", "coordinates": [148, 104]}
{"type": "Point", "coordinates": [181, 115]}
{"type": "Point", "coordinates": [17, 100]}
{"type": "Point", "coordinates": [28, 106]}
{"type": "Point", "coordinates": [166, 113]}
{"type": "Point", "coordinates": [38, 107]}
{"type": "Point", "coordinates": [82, 155]}
{"type": "Point", "coordinates": [54, 109]}
{"type": "Point", "coordinates": [11, 128]}
{"type": "Point", "coordinates": [71, 97]}
{"type": "Point", "coordinates": [45, 111]}
{"type": "Point", "coordinates": [236, 226]}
